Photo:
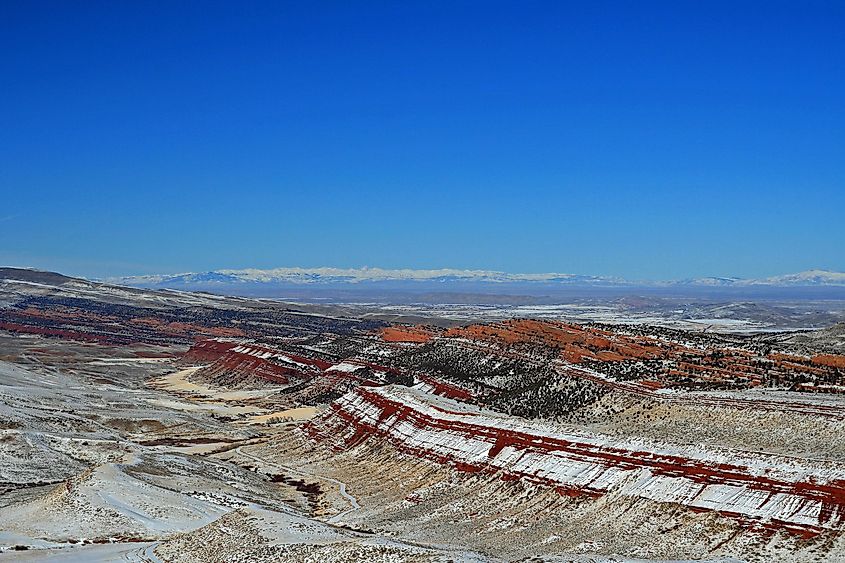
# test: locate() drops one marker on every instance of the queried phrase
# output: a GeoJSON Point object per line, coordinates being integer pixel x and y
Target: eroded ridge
{"type": "Point", "coordinates": [763, 492]}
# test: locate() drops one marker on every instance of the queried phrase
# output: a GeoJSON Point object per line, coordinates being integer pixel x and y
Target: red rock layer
{"type": "Point", "coordinates": [445, 389]}
{"type": "Point", "coordinates": [243, 361]}
{"type": "Point", "coordinates": [209, 350]}
{"type": "Point", "coordinates": [407, 334]}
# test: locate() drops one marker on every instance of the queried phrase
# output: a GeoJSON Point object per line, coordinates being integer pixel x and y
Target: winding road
{"type": "Point", "coordinates": [353, 502]}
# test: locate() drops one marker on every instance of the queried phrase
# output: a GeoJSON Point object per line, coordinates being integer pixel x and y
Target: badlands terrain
{"type": "Point", "coordinates": [159, 425]}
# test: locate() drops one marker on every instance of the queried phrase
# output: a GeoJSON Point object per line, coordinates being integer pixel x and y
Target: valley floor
{"type": "Point", "coordinates": [109, 459]}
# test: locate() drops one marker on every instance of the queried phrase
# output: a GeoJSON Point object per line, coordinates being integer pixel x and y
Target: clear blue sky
{"type": "Point", "coordinates": [647, 140]}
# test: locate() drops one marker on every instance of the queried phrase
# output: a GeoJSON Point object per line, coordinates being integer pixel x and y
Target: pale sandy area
{"type": "Point", "coordinates": [299, 413]}
{"type": "Point", "coordinates": [204, 397]}
{"type": "Point", "coordinates": [199, 396]}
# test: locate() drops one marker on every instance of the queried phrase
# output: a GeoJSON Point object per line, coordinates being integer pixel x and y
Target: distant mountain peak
{"type": "Point", "coordinates": [368, 275]}
{"type": "Point", "coordinates": [325, 275]}
{"type": "Point", "coordinates": [809, 277]}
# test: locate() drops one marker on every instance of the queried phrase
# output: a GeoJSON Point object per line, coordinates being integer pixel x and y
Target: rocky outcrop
{"type": "Point", "coordinates": [662, 358]}
{"type": "Point", "coordinates": [233, 363]}
{"type": "Point", "coordinates": [243, 364]}
{"type": "Point", "coordinates": [408, 334]}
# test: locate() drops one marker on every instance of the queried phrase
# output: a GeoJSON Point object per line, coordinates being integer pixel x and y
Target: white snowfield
{"type": "Point", "coordinates": [771, 490]}
{"type": "Point", "coordinates": [346, 367]}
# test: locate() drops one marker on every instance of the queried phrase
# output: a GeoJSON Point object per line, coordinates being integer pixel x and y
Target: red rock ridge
{"type": "Point", "coordinates": [762, 492]}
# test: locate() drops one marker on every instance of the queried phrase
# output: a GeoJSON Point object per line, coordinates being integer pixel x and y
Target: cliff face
{"type": "Point", "coordinates": [764, 493]}
{"type": "Point", "coordinates": [245, 363]}
{"type": "Point", "coordinates": [234, 363]}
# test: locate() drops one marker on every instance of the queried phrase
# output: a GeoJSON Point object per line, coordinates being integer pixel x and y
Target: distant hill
{"type": "Point", "coordinates": [34, 276]}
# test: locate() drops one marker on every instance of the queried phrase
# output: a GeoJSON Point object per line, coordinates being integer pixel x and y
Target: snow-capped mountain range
{"type": "Point", "coordinates": [359, 276]}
